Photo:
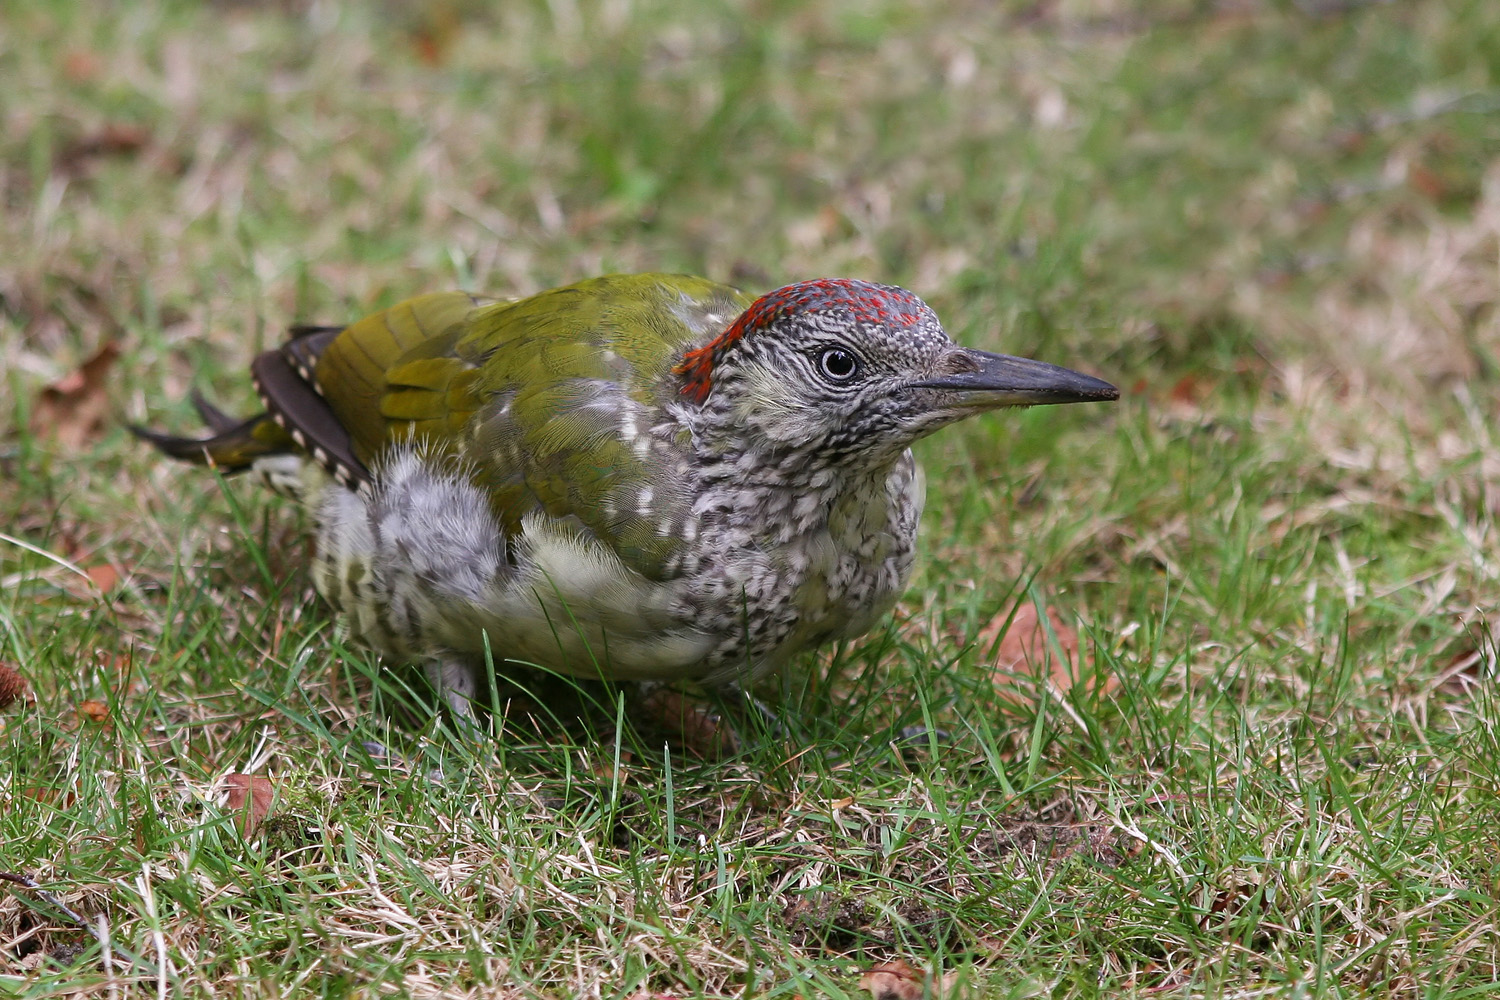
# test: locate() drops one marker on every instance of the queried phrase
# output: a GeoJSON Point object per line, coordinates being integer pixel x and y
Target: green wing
{"type": "Point", "coordinates": [395, 373]}
{"type": "Point", "coordinates": [547, 401]}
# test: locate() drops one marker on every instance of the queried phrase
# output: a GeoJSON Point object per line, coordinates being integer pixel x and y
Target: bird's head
{"type": "Point", "coordinates": [857, 368]}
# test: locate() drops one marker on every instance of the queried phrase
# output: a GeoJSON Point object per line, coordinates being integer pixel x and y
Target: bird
{"type": "Point", "coordinates": [649, 477]}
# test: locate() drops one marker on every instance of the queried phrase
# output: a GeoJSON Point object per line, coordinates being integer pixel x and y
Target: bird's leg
{"type": "Point", "coordinates": [452, 678]}
{"type": "Point", "coordinates": [751, 705]}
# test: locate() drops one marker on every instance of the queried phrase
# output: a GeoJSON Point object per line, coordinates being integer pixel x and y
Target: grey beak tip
{"type": "Point", "coordinates": [1101, 390]}
{"type": "Point", "coordinates": [1023, 381]}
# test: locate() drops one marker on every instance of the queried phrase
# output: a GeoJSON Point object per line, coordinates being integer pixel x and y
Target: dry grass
{"type": "Point", "coordinates": [1276, 225]}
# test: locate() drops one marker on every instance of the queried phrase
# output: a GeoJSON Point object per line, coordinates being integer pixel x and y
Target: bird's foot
{"type": "Point", "coordinates": [686, 721]}
{"type": "Point", "coordinates": [754, 710]}
{"type": "Point", "coordinates": [454, 684]}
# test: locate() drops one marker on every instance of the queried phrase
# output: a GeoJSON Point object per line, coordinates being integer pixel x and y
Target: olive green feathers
{"type": "Point", "coordinates": [526, 395]}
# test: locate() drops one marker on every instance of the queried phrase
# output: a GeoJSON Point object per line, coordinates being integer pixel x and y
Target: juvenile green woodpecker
{"type": "Point", "coordinates": [637, 476]}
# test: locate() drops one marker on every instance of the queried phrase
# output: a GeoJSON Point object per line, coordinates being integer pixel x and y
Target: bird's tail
{"type": "Point", "coordinates": [234, 445]}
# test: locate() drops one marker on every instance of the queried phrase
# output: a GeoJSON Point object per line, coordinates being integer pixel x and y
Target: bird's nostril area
{"type": "Point", "coordinates": [959, 363]}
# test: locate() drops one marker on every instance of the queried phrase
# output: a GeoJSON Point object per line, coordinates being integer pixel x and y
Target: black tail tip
{"type": "Point", "coordinates": [232, 446]}
{"type": "Point", "coordinates": [185, 449]}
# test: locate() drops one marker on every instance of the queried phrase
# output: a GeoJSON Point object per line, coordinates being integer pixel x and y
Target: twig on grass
{"type": "Point", "coordinates": [99, 930]}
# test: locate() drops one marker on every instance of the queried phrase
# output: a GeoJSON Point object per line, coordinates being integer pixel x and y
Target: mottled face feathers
{"type": "Point", "coordinates": [819, 364]}
{"type": "Point", "coordinates": [827, 303]}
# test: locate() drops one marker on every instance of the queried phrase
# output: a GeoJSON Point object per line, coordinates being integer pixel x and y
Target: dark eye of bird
{"type": "Point", "coordinates": [838, 364]}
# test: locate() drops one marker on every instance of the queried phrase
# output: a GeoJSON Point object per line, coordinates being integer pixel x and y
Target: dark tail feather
{"type": "Point", "coordinates": [235, 445]}
{"type": "Point", "coordinates": [306, 347]}
{"type": "Point", "coordinates": [299, 419]}
{"type": "Point", "coordinates": [283, 379]}
{"type": "Point", "coordinates": [217, 420]}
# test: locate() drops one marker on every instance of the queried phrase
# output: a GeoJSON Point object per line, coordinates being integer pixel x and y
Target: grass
{"type": "Point", "coordinates": [1276, 225]}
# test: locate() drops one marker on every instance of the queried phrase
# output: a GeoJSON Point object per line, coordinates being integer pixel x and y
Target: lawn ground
{"type": "Point", "coordinates": [1276, 225]}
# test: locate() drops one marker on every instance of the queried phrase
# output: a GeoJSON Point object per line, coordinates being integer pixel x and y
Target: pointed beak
{"type": "Point", "coordinates": [987, 381]}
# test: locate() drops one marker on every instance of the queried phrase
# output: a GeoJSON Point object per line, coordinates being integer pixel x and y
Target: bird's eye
{"type": "Point", "coordinates": [837, 364]}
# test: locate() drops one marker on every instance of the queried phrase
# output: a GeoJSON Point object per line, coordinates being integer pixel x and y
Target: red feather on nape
{"type": "Point", "coordinates": [863, 301]}
{"type": "Point", "coordinates": [697, 366]}
{"type": "Point", "coordinates": [697, 369]}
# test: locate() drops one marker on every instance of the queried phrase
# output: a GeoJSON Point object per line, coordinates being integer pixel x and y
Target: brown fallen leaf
{"type": "Point", "coordinates": [435, 31]}
{"type": "Point", "coordinates": [1472, 662]}
{"type": "Point", "coordinates": [112, 139]}
{"type": "Point", "coordinates": [95, 711]}
{"type": "Point", "coordinates": [96, 578]}
{"type": "Point", "coordinates": [81, 65]}
{"type": "Point", "coordinates": [250, 797]}
{"type": "Point", "coordinates": [1187, 396]}
{"type": "Point", "coordinates": [73, 409]}
{"type": "Point", "coordinates": [899, 981]}
{"type": "Point", "coordinates": [1190, 390]}
{"type": "Point", "coordinates": [12, 686]}
{"type": "Point", "coordinates": [50, 796]}
{"type": "Point", "coordinates": [893, 981]}
{"type": "Point", "coordinates": [952, 986]}
{"type": "Point", "coordinates": [604, 768]}
{"type": "Point", "coordinates": [1428, 182]}
{"type": "Point", "coordinates": [1025, 655]}
{"type": "Point", "coordinates": [103, 575]}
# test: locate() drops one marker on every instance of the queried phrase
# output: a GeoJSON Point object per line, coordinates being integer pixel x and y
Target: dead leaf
{"type": "Point", "coordinates": [1190, 389]}
{"type": "Point", "coordinates": [1470, 662]}
{"type": "Point", "coordinates": [95, 711]}
{"type": "Point", "coordinates": [1187, 395]}
{"type": "Point", "coordinates": [1467, 669]}
{"type": "Point", "coordinates": [73, 409]}
{"type": "Point", "coordinates": [12, 686]}
{"type": "Point", "coordinates": [42, 793]}
{"type": "Point", "coordinates": [97, 578]}
{"type": "Point", "coordinates": [103, 575]}
{"type": "Point", "coordinates": [81, 65]}
{"type": "Point", "coordinates": [113, 139]}
{"type": "Point", "coordinates": [952, 986]}
{"type": "Point", "coordinates": [1428, 182]}
{"type": "Point", "coordinates": [892, 981]}
{"type": "Point", "coordinates": [250, 797]}
{"type": "Point", "coordinates": [604, 768]}
{"type": "Point", "coordinates": [899, 981]}
{"type": "Point", "coordinates": [438, 28]}
{"type": "Point", "coordinates": [1025, 654]}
